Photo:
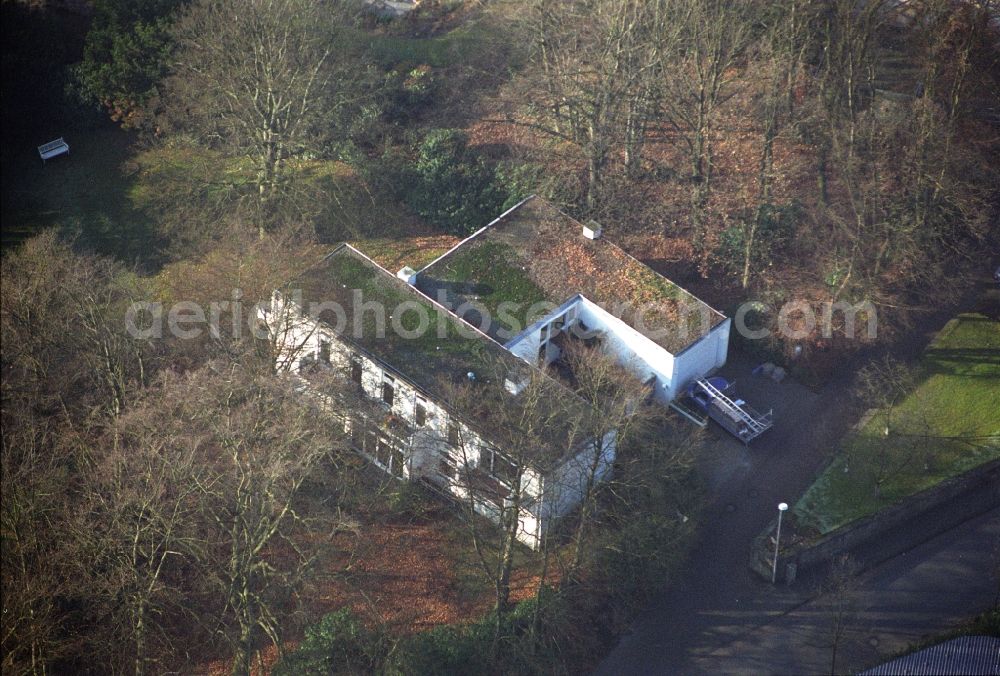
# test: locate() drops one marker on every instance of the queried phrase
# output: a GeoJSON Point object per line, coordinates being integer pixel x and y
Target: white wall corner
{"type": "Point", "coordinates": [408, 275]}
{"type": "Point", "coordinates": [592, 230]}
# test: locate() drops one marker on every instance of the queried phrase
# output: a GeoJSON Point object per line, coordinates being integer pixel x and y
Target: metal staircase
{"type": "Point", "coordinates": [735, 416]}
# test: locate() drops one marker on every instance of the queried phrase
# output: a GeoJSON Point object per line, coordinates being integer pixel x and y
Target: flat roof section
{"type": "Point", "coordinates": [536, 257]}
{"type": "Point", "coordinates": [443, 353]}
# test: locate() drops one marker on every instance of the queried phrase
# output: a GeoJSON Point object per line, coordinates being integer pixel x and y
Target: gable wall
{"type": "Point", "coordinates": [702, 357]}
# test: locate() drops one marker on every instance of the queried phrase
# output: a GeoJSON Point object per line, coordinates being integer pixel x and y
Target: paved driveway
{"type": "Point", "coordinates": [716, 617]}
{"type": "Point", "coordinates": [922, 593]}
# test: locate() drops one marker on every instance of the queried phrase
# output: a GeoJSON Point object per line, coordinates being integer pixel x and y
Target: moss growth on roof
{"type": "Point", "coordinates": [434, 351]}
{"type": "Point", "coordinates": [537, 253]}
{"type": "Point", "coordinates": [431, 342]}
{"type": "Point", "coordinates": [497, 277]}
{"type": "Point", "coordinates": [417, 251]}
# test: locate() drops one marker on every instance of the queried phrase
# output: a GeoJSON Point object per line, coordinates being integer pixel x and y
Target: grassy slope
{"type": "Point", "coordinates": [99, 192]}
{"type": "Point", "coordinates": [958, 397]}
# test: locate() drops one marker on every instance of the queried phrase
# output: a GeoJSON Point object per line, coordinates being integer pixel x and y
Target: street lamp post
{"type": "Point", "coordinates": [777, 542]}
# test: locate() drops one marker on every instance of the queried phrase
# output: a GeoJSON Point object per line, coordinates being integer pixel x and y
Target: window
{"type": "Point", "coordinates": [324, 351]}
{"type": "Point", "coordinates": [420, 412]}
{"type": "Point", "coordinates": [453, 435]}
{"type": "Point", "coordinates": [356, 370]}
{"type": "Point", "coordinates": [357, 434]}
{"type": "Point", "coordinates": [388, 390]}
{"type": "Point", "coordinates": [398, 461]}
{"type": "Point", "coordinates": [503, 469]}
{"type": "Point", "coordinates": [383, 451]}
{"type": "Point", "coordinates": [447, 466]}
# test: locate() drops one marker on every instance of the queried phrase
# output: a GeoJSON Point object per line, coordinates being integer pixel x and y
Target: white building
{"type": "Point", "coordinates": [407, 418]}
{"type": "Point", "coordinates": [436, 398]}
{"type": "Point", "coordinates": [563, 279]}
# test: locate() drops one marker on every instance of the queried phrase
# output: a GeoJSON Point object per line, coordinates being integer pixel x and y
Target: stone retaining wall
{"type": "Point", "coordinates": [893, 530]}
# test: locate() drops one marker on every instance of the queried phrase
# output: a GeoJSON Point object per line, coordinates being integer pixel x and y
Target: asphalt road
{"type": "Point", "coordinates": [923, 593]}
{"type": "Point", "coordinates": [719, 618]}
{"type": "Point", "coordinates": [718, 599]}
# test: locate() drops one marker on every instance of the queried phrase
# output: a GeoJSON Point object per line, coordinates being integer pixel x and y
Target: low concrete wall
{"type": "Point", "coordinates": [892, 531]}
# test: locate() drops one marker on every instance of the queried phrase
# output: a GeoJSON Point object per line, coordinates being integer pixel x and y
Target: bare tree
{"type": "Point", "coordinates": [63, 330]}
{"type": "Point", "coordinates": [265, 441]}
{"type": "Point", "coordinates": [698, 44]}
{"type": "Point", "coordinates": [839, 591]}
{"type": "Point", "coordinates": [499, 465]}
{"type": "Point", "coordinates": [624, 412]}
{"type": "Point", "coordinates": [778, 60]}
{"type": "Point", "coordinates": [882, 385]}
{"type": "Point", "coordinates": [37, 552]}
{"type": "Point", "coordinates": [260, 79]}
{"type": "Point", "coordinates": [846, 75]}
{"type": "Point", "coordinates": [138, 526]}
{"type": "Point", "coordinates": [232, 283]}
{"type": "Point", "coordinates": [591, 81]}
{"type": "Point", "coordinates": [68, 371]}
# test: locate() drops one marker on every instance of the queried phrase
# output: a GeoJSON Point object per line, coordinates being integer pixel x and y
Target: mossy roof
{"type": "Point", "coordinates": [442, 354]}
{"type": "Point", "coordinates": [535, 252]}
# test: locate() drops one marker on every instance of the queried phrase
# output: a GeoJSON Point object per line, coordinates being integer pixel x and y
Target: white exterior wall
{"type": "Point", "coordinates": [634, 351]}
{"type": "Point", "coordinates": [527, 344]}
{"type": "Point", "coordinates": [302, 337]}
{"type": "Point", "coordinates": [630, 348]}
{"type": "Point", "coordinates": [566, 484]}
{"type": "Point", "coordinates": [702, 357]}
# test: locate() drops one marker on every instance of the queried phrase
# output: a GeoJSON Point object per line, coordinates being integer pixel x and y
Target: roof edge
{"type": "Point", "coordinates": [479, 333]}
{"type": "Point", "coordinates": [477, 233]}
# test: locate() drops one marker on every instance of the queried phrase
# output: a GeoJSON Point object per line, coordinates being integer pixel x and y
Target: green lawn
{"type": "Point", "coordinates": [116, 198]}
{"type": "Point", "coordinates": [948, 424]}
{"type": "Point", "coordinates": [471, 43]}
{"type": "Point", "coordinates": [85, 192]}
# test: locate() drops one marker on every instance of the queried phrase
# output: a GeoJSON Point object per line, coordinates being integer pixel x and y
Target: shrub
{"type": "Point", "coordinates": [453, 189]}
{"type": "Point", "coordinates": [410, 501]}
{"type": "Point", "coordinates": [775, 228]}
{"type": "Point", "coordinates": [445, 650]}
{"type": "Point", "coordinates": [339, 643]}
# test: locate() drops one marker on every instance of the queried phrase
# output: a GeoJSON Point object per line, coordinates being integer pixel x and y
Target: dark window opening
{"type": "Point", "coordinates": [447, 466]}
{"type": "Point", "coordinates": [356, 370]}
{"type": "Point", "coordinates": [383, 452]}
{"type": "Point", "coordinates": [420, 413]}
{"type": "Point", "coordinates": [397, 461]}
{"type": "Point", "coordinates": [504, 469]}
{"type": "Point", "coordinates": [324, 351]}
{"type": "Point", "coordinates": [388, 391]}
{"type": "Point", "coordinates": [453, 434]}
{"type": "Point", "coordinates": [357, 434]}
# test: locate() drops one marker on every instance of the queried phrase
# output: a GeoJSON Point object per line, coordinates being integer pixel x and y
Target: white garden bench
{"type": "Point", "coordinates": [52, 148]}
